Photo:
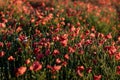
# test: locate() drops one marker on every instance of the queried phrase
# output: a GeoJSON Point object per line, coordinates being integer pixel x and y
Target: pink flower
{"type": "Point", "coordinates": [20, 71]}
{"type": "Point", "coordinates": [11, 58]}
{"type": "Point", "coordinates": [58, 60]}
{"type": "Point", "coordinates": [72, 29]}
{"type": "Point", "coordinates": [79, 70]}
{"type": "Point", "coordinates": [54, 68]}
{"type": "Point", "coordinates": [117, 56]}
{"type": "Point", "coordinates": [47, 52]}
{"type": "Point", "coordinates": [56, 52]}
{"type": "Point", "coordinates": [101, 42]}
{"type": "Point", "coordinates": [92, 35]}
{"type": "Point", "coordinates": [39, 56]}
{"type": "Point", "coordinates": [64, 63]}
{"type": "Point", "coordinates": [111, 49]}
{"type": "Point", "coordinates": [100, 35]}
{"type": "Point", "coordinates": [21, 37]}
{"type": "Point", "coordinates": [19, 29]}
{"type": "Point", "coordinates": [97, 77]}
{"type": "Point", "coordinates": [36, 66]}
{"type": "Point", "coordinates": [57, 68]}
{"type": "Point", "coordinates": [89, 70]}
{"type": "Point", "coordinates": [64, 37]}
{"type": "Point", "coordinates": [93, 29]}
{"type": "Point", "coordinates": [2, 53]}
{"type": "Point", "coordinates": [2, 25]}
{"type": "Point", "coordinates": [49, 67]}
{"type": "Point", "coordinates": [71, 50]}
{"type": "Point", "coordinates": [77, 31]}
{"type": "Point", "coordinates": [27, 61]}
{"type": "Point", "coordinates": [87, 32]}
{"type": "Point", "coordinates": [80, 52]}
{"type": "Point", "coordinates": [64, 42]}
{"type": "Point", "coordinates": [1, 44]}
{"type": "Point", "coordinates": [119, 38]}
{"type": "Point", "coordinates": [87, 42]}
{"type": "Point", "coordinates": [104, 2]}
{"type": "Point", "coordinates": [109, 36]}
{"type": "Point", "coordinates": [56, 38]}
{"type": "Point", "coordinates": [66, 56]}
{"type": "Point", "coordinates": [8, 44]}
{"type": "Point", "coordinates": [36, 50]}
{"type": "Point", "coordinates": [78, 24]}
{"type": "Point", "coordinates": [79, 73]}
{"type": "Point", "coordinates": [118, 70]}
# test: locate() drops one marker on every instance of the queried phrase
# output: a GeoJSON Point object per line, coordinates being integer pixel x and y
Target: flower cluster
{"type": "Point", "coordinates": [57, 40]}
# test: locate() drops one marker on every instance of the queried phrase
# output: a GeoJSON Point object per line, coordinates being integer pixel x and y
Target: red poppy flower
{"type": "Point", "coordinates": [47, 52]}
{"type": "Point", "coordinates": [57, 68]}
{"type": "Point", "coordinates": [72, 29]}
{"type": "Point", "coordinates": [89, 70]}
{"type": "Point", "coordinates": [58, 60]}
{"type": "Point", "coordinates": [92, 35]}
{"type": "Point", "coordinates": [39, 56]}
{"type": "Point", "coordinates": [36, 50]}
{"type": "Point", "coordinates": [66, 56]}
{"type": "Point", "coordinates": [64, 37]}
{"type": "Point", "coordinates": [56, 52]}
{"type": "Point", "coordinates": [1, 44]}
{"type": "Point", "coordinates": [118, 70]}
{"type": "Point", "coordinates": [117, 56]}
{"type": "Point", "coordinates": [71, 50]}
{"type": "Point", "coordinates": [64, 42]}
{"type": "Point", "coordinates": [109, 36]}
{"type": "Point", "coordinates": [20, 71]}
{"type": "Point", "coordinates": [79, 70]}
{"type": "Point", "coordinates": [27, 61]}
{"type": "Point", "coordinates": [97, 77]}
{"type": "Point", "coordinates": [2, 25]}
{"type": "Point", "coordinates": [11, 58]}
{"type": "Point", "coordinates": [19, 29]}
{"type": "Point", "coordinates": [36, 66]}
{"type": "Point", "coordinates": [2, 53]}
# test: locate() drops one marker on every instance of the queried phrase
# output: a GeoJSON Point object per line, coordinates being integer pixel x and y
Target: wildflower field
{"type": "Point", "coordinates": [59, 39]}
